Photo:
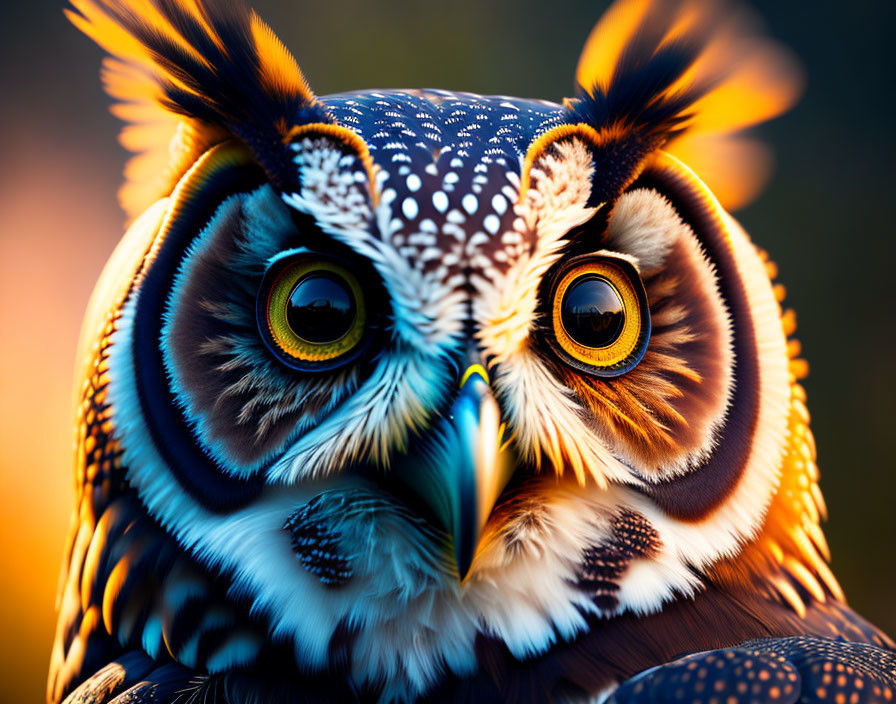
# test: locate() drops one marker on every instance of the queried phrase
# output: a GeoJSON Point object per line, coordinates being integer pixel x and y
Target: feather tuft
{"type": "Point", "coordinates": [187, 77]}
{"type": "Point", "coordinates": [687, 76]}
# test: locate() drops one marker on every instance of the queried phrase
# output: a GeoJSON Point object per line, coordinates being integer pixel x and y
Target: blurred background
{"type": "Point", "coordinates": [826, 217]}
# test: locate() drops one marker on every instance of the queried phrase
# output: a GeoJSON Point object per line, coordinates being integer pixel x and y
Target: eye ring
{"type": "Point", "coordinates": [600, 319]}
{"type": "Point", "coordinates": [311, 312]}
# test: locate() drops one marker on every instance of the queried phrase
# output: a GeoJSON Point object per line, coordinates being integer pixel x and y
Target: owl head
{"type": "Point", "coordinates": [408, 384]}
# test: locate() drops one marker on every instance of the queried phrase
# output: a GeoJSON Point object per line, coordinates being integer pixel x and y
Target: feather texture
{"type": "Point", "coordinates": [782, 670]}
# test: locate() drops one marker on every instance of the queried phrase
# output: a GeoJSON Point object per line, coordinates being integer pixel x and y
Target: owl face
{"type": "Point", "coordinates": [430, 367]}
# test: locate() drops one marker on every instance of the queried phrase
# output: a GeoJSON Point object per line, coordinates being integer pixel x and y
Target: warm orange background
{"type": "Point", "coordinates": [826, 218]}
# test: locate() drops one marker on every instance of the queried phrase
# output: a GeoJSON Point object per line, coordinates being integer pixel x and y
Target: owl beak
{"type": "Point", "coordinates": [483, 463]}
{"type": "Point", "coordinates": [464, 467]}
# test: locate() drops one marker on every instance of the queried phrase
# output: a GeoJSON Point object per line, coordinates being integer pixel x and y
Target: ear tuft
{"type": "Point", "coordinates": [188, 77]}
{"type": "Point", "coordinates": [687, 76]}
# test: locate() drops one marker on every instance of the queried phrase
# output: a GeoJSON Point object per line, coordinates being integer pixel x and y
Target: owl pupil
{"type": "Point", "coordinates": [321, 308]}
{"type": "Point", "coordinates": [592, 312]}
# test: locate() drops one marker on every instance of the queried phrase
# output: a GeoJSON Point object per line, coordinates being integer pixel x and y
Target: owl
{"type": "Point", "coordinates": [418, 395]}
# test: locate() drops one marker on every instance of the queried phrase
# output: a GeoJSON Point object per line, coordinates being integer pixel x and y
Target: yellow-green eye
{"type": "Point", "coordinates": [312, 313]}
{"type": "Point", "coordinates": [600, 319]}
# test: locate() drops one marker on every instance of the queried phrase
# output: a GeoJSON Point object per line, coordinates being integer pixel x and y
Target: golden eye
{"type": "Point", "coordinates": [311, 313]}
{"type": "Point", "coordinates": [600, 319]}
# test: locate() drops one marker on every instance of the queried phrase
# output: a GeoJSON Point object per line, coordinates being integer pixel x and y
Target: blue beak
{"type": "Point", "coordinates": [464, 469]}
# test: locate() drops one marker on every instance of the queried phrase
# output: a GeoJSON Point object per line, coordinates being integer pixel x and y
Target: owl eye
{"type": "Point", "coordinates": [600, 318]}
{"type": "Point", "coordinates": [591, 312]}
{"type": "Point", "coordinates": [311, 312]}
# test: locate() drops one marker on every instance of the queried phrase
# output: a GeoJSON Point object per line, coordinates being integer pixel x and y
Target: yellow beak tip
{"type": "Point", "coordinates": [476, 369]}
